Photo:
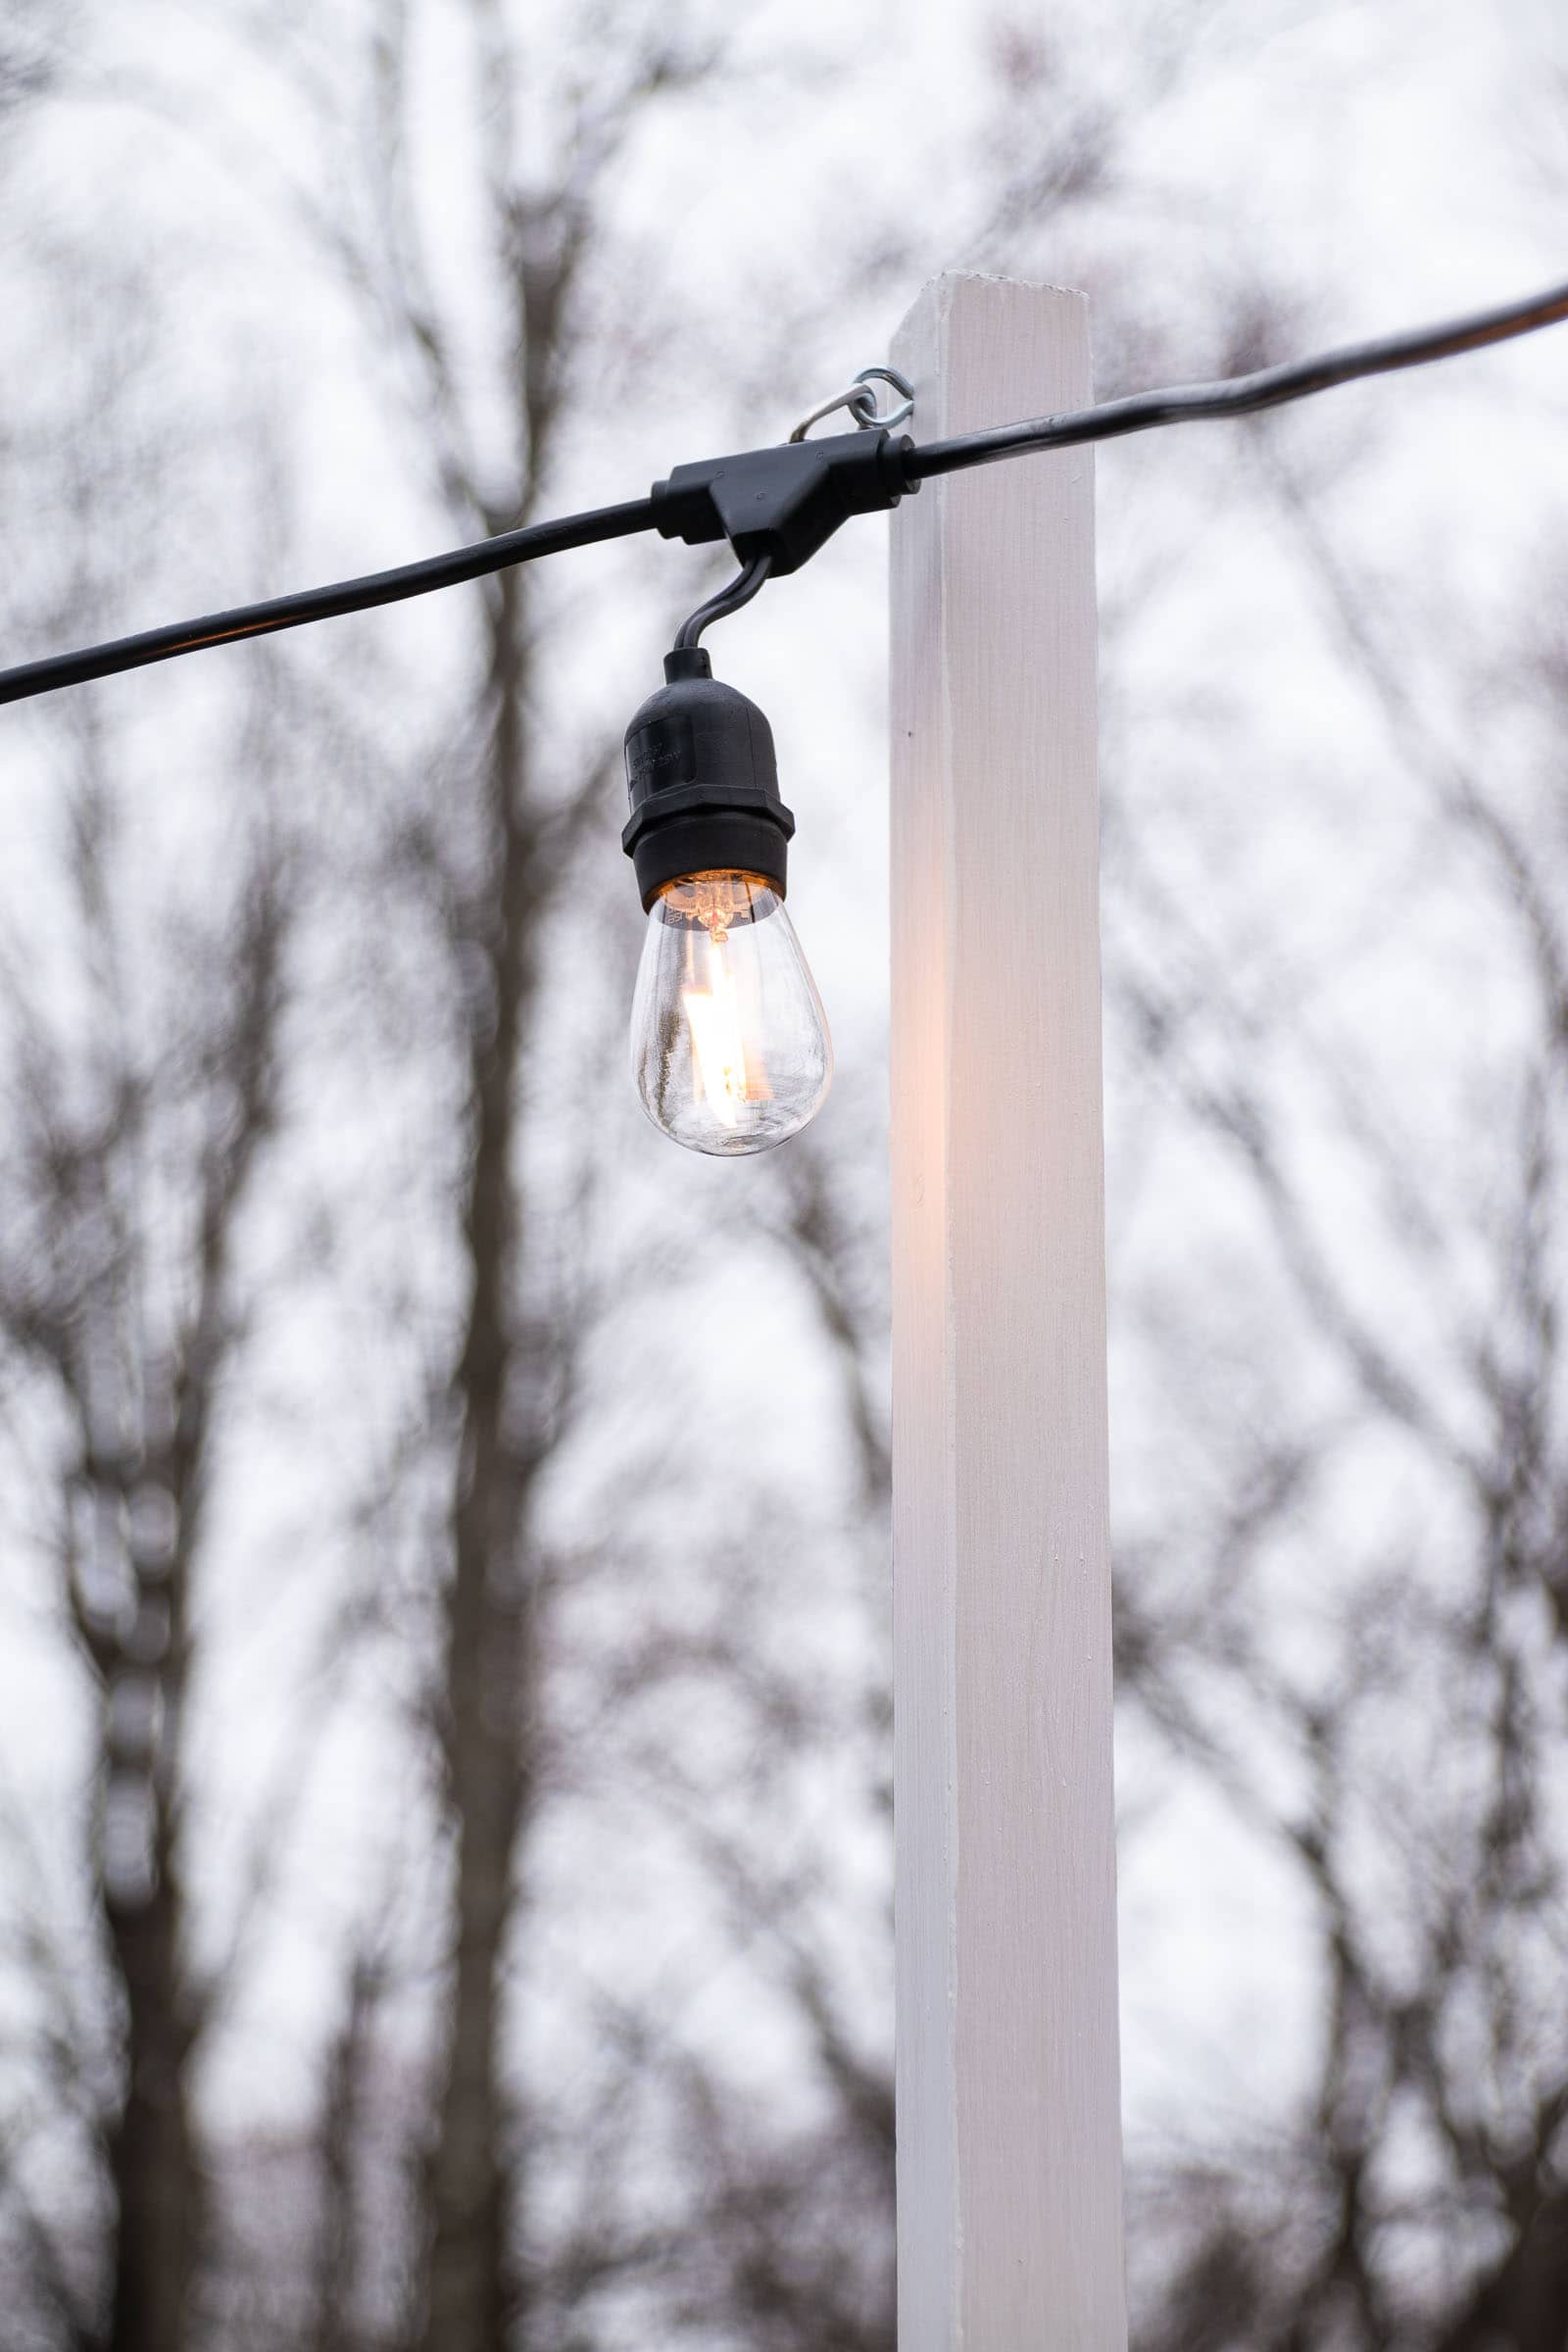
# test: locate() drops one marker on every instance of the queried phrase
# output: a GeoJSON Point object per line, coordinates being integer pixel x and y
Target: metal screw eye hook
{"type": "Point", "coordinates": [865, 403]}
{"type": "Point", "coordinates": [861, 401]}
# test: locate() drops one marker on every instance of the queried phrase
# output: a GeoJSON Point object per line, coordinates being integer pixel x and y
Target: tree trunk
{"type": "Point", "coordinates": [150, 2147]}
{"type": "Point", "coordinates": [474, 2294]}
{"type": "Point", "coordinates": [151, 2152]}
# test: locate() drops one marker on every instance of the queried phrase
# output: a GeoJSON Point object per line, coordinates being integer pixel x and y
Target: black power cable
{"type": "Point", "coordinates": [1240, 395]}
{"type": "Point", "coordinates": [779, 505]}
{"type": "Point", "coordinates": [324, 604]}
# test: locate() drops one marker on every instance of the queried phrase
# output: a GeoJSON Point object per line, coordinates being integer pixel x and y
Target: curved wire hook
{"type": "Point", "coordinates": [740, 591]}
{"type": "Point", "coordinates": [861, 401]}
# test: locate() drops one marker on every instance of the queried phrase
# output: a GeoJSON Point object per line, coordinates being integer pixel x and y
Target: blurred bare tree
{"type": "Point", "coordinates": [1340, 1601]}
{"type": "Point", "coordinates": [498, 866]}
{"type": "Point", "coordinates": [1399, 1740]}
{"type": "Point", "coordinates": [140, 1107]}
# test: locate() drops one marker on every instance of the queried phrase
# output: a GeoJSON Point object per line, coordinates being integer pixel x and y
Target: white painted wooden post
{"type": "Point", "coordinates": [1008, 2124]}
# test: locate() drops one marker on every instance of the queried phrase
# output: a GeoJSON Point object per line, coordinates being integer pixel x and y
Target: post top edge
{"type": "Point", "coordinates": [949, 286]}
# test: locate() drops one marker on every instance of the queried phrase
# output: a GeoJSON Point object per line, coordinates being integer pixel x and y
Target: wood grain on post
{"type": "Point", "coordinates": [1008, 2122]}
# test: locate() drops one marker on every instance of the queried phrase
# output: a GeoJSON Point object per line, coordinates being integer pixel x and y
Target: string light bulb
{"type": "Point", "coordinates": [730, 1045]}
{"type": "Point", "coordinates": [731, 1050]}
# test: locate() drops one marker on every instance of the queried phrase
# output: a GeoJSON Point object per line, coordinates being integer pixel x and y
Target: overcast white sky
{"type": "Point", "coordinates": [1376, 164]}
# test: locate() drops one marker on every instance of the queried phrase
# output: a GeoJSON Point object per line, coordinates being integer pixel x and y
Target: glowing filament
{"type": "Point", "coordinates": [718, 1054]}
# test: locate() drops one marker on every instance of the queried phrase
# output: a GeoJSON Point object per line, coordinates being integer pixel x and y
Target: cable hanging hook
{"type": "Point", "coordinates": [739, 591]}
{"type": "Point", "coordinates": [861, 401]}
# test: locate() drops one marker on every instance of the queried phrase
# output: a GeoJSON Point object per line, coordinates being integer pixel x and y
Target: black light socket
{"type": "Point", "coordinates": [702, 782]}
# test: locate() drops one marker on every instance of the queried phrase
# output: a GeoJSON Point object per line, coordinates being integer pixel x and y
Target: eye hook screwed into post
{"type": "Point", "coordinates": [861, 401]}
{"type": "Point", "coordinates": [865, 410]}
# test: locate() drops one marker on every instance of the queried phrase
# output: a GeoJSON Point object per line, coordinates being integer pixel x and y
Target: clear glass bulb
{"type": "Point", "coordinates": [729, 1043]}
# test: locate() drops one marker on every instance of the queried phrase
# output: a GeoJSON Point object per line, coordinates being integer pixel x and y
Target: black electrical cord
{"type": "Point", "coordinates": [740, 591]}
{"type": "Point", "coordinates": [820, 481]}
{"type": "Point", "coordinates": [1240, 395]}
{"type": "Point", "coordinates": [323, 603]}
